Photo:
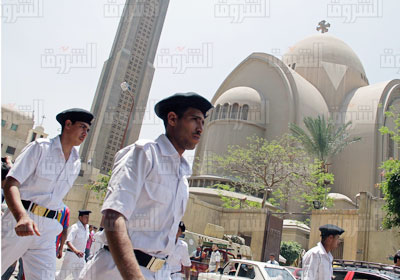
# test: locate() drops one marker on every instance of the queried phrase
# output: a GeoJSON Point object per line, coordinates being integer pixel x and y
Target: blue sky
{"type": "Point", "coordinates": [65, 27]}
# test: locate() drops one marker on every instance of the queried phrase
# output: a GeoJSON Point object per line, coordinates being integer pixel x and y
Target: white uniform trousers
{"type": "Point", "coordinates": [72, 264]}
{"type": "Point", "coordinates": [102, 266]}
{"type": "Point", "coordinates": [38, 252]}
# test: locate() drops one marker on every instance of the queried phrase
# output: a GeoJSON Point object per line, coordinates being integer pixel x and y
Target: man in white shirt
{"type": "Point", "coordinates": [317, 262]}
{"type": "Point", "coordinates": [42, 175]}
{"type": "Point", "coordinates": [147, 195]}
{"type": "Point", "coordinates": [179, 257]}
{"type": "Point", "coordinates": [74, 259]}
{"type": "Point", "coordinates": [214, 259]}
{"type": "Point", "coordinates": [272, 259]}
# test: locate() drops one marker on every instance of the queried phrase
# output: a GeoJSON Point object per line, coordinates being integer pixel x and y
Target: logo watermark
{"type": "Point", "coordinates": [184, 58]}
{"type": "Point", "coordinates": [136, 8]}
{"type": "Point", "coordinates": [70, 58]}
{"type": "Point", "coordinates": [12, 10]}
{"type": "Point", "coordinates": [390, 60]}
{"type": "Point", "coordinates": [238, 10]}
{"type": "Point", "coordinates": [351, 10]}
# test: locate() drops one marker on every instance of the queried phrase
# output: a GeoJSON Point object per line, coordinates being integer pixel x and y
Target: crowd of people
{"type": "Point", "coordinates": [142, 211]}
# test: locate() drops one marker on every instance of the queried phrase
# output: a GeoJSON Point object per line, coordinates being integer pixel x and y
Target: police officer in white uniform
{"type": "Point", "coordinates": [77, 238]}
{"type": "Point", "coordinates": [179, 257]}
{"type": "Point", "coordinates": [317, 262]}
{"type": "Point", "coordinates": [147, 195]}
{"type": "Point", "coordinates": [42, 175]}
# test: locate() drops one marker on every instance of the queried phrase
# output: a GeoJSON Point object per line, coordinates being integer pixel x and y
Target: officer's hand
{"type": "Point", "coordinates": [80, 254]}
{"type": "Point", "coordinates": [59, 254]}
{"type": "Point", "coordinates": [26, 226]}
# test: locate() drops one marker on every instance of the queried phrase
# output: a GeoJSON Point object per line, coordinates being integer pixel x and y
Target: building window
{"type": "Point", "coordinates": [224, 113]}
{"type": "Point", "coordinates": [3, 123]}
{"type": "Point", "coordinates": [216, 113]}
{"type": "Point", "coordinates": [10, 150]}
{"type": "Point", "coordinates": [245, 112]}
{"type": "Point", "coordinates": [33, 136]}
{"type": "Point", "coordinates": [14, 127]}
{"type": "Point", "coordinates": [81, 172]}
{"type": "Point", "coordinates": [234, 111]}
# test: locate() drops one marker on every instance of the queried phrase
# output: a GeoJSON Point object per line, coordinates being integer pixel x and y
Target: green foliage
{"type": "Point", "coordinates": [391, 190]}
{"type": "Point", "coordinates": [391, 169]}
{"type": "Point", "coordinates": [275, 167]}
{"type": "Point", "coordinates": [100, 186]}
{"type": "Point", "coordinates": [318, 187]}
{"type": "Point", "coordinates": [322, 139]}
{"type": "Point", "coordinates": [290, 250]}
{"type": "Point", "coordinates": [234, 203]}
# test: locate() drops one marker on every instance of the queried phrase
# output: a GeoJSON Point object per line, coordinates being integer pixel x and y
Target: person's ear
{"type": "Point", "coordinates": [68, 124]}
{"type": "Point", "coordinates": [172, 118]}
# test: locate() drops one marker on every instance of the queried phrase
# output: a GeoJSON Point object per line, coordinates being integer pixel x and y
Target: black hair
{"type": "Point", "coordinates": [396, 257]}
{"type": "Point", "coordinates": [63, 125]}
{"type": "Point", "coordinates": [180, 111]}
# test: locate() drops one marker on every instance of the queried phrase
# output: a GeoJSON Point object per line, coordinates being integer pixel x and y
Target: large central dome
{"type": "Point", "coordinates": [329, 64]}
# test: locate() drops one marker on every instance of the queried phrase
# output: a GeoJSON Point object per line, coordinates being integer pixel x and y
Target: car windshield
{"type": "Point", "coordinates": [278, 274]}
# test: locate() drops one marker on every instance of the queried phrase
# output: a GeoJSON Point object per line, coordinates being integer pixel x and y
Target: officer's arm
{"type": "Point", "coordinates": [187, 272]}
{"type": "Point", "coordinates": [64, 235]}
{"type": "Point", "coordinates": [25, 225]}
{"type": "Point", "coordinates": [310, 267]}
{"type": "Point", "coordinates": [120, 245]}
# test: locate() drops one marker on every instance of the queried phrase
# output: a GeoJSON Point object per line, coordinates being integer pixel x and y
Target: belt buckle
{"type": "Point", "coordinates": [155, 264]}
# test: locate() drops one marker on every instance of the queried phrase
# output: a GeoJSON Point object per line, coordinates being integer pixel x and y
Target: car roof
{"type": "Point", "coordinates": [261, 264]}
{"type": "Point", "coordinates": [369, 271]}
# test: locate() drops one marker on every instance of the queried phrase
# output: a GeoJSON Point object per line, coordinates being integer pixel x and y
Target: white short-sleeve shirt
{"type": "Point", "coordinates": [317, 264]}
{"type": "Point", "coordinates": [180, 256]}
{"type": "Point", "coordinates": [78, 235]}
{"type": "Point", "coordinates": [214, 259]}
{"type": "Point", "coordinates": [44, 175]}
{"type": "Point", "coordinates": [149, 187]}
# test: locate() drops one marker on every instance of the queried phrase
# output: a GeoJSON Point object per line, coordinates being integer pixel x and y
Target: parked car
{"type": "Point", "coordinates": [349, 270]}
{"type": "Point", "coordinates": [296, 271]}
{"type": "Point", "coordinates": [239, 269]}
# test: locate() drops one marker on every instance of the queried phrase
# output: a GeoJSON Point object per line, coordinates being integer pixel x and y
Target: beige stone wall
{"type": "Point", "coordinates": [295, 234]}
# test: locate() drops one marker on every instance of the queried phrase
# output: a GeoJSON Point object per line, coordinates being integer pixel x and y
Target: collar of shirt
{"type": "Point", "coordinates": [56, 145]}
{"type": "Point", "coordinates": [167, 149]}
{"type": "Point", "coordinates": [323, 251]}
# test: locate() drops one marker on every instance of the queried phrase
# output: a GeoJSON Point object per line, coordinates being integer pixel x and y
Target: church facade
{"type": "Point", "coordinates": [320, 75]}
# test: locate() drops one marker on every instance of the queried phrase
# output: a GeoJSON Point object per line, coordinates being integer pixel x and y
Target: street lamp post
{"type": "Point", "coordinates": [126, 88]}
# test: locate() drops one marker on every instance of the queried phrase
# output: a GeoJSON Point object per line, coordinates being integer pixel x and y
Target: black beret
{"type": "Point", "coordinates": [84, 212]}
{"type": "Point", "coordinates": [75, 114]}
{"type": "Point", "coordinates": [182, 226]}
{"type": "Point", "coordinates": [329, 229]}
{"type": "Point", "coordinates": [182, 101]}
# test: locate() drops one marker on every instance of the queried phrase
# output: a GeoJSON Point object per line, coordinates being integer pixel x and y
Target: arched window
{"type": "Point", "coordinates": [216, 112]}
{"type": "Point", "coordinates": [245, 112]}
{"type": "Point", "coordinates": [224, 112]}
{"type": "Point", "coordinates": [234, 111]}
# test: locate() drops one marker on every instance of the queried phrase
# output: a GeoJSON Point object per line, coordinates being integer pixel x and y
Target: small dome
{"type": "Point", "coordinates": [339, 196]}
{"type": "Point", "coordinates": [240, 95]}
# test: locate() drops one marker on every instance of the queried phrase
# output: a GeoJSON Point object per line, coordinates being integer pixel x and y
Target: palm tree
{"type": "Point", "coordinates": [323, 139]}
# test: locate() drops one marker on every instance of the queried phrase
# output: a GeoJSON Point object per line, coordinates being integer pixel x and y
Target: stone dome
{"type": "Point", "coordinates": [329, 64]}
{"type": "Point", "coordinates": [240, 95]}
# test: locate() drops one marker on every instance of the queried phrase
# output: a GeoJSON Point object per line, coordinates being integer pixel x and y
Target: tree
{"type": "Point", "coordinates": [323, 139]}
{"type": "Point", "coordinates": [100, 186]}
{"type": "Point", "coordinates": [277, 169]}
{"type": "Point", "coordinates": [391, 169]}
{"type": "Point", "coordinates": [290, 250]}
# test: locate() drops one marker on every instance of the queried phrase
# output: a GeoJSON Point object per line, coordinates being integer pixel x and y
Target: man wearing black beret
{"type": "Point", "coordinates": [78, 236]}
{"type": "Point", "coordinates": [42, 175]}
{"type": "Point", "coordinates": [147, 195]}
{"type": "Point", "coordinates": [317, 262]}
